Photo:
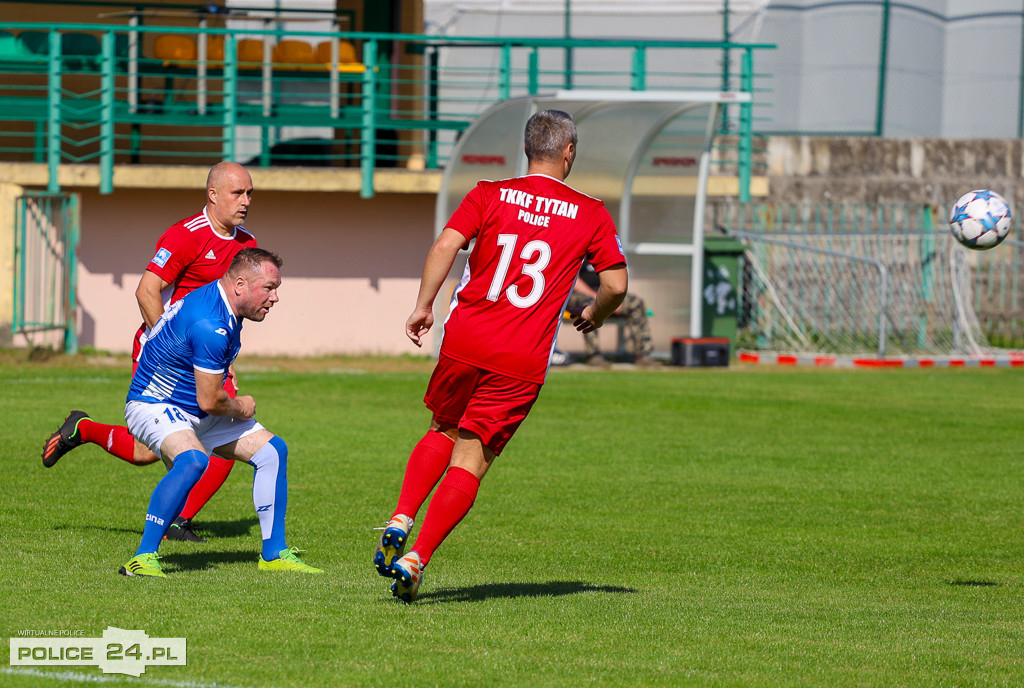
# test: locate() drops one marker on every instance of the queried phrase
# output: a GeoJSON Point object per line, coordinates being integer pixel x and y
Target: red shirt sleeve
{"type": "Point", "coordinates": [605, 249]}
{"type": "Point", "coordinates": [468, 218]}
{"type": "Point", "coordinates": [174, 253]}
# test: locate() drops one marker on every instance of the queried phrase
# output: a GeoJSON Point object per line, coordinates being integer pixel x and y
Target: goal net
{"type": "Point", "coordinates": [855, 280]}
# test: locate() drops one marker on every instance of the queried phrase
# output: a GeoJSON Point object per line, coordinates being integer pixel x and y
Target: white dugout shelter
{"type": "Point", "coordinates": [646, 154]}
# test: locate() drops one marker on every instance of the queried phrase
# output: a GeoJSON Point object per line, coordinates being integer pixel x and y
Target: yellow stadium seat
{"type": "Point", "coordinates": [346, 53]}
{"type": "Point", "coordinates": [174, 48]}
{"type": "Point", "coordinates": [215, 48]}
{"type": "Point", "coordinates": [292, 52]}
{"type": "Point", "coordinates": [250, 50]}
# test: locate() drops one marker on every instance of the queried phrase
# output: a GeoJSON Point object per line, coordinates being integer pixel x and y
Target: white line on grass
{"type": "Point", "coordinates": [100, 678]}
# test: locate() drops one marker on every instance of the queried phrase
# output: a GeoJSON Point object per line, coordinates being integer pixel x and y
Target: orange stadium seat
{"type": "Point", "coordinates": [348, 59]}
{"type": "Point", "coordinates": [346, 52]}
{"type": "Point", "coordinates": [294, 53]}
{"type": "Point", "coordinates": [250, 50]}
{"type": "Point", "coordinates": [174, 48]}
{"type": "Point", "coordinates": [215, 48]}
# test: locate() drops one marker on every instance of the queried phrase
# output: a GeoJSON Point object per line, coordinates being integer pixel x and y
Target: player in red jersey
{"type": "Point", "coordinates": [191, 253]}
{"type": "Point", "coordinates": [532, 234]}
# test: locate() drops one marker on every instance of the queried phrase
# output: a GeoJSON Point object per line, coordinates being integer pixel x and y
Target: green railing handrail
{"type": "Point", "coordinates": [374, 112]}
{"type": "Point", "coordinates": [426, 39]}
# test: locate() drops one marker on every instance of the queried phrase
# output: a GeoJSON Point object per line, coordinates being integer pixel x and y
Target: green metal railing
{"type": "Point", "coordinates": [45, 266]}
{"type": "Point", "coordinates": [402, 105]}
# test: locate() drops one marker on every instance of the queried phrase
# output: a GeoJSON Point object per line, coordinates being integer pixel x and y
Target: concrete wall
{"type": "Point", "coordinates": [350, 276]}
{"type": "Point", "coordinates": [868, 169]}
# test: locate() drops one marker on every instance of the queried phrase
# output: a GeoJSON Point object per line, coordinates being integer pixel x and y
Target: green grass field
{"type": "Point", "coordinates": [741, 527]}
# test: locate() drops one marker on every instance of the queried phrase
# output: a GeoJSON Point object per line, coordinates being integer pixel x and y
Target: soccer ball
{"type": "Point", "coordinates": [980, 219]}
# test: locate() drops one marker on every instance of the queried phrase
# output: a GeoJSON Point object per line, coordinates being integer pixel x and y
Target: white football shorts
{"type": "Point", "coordinates": [150, 423]}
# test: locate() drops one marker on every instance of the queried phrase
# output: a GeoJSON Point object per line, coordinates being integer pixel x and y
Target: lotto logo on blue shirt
{"type": "Point", "coordinates": [161, 257]}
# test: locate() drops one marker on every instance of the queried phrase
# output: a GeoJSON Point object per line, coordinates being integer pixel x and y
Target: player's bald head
{"type": "Point", "coordinates": [548, 132]}
{"type": "Point", "coordinates": [226, 172]}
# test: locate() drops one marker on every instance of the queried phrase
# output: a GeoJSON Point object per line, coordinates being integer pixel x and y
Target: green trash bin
{"type": "Point", "coordinates": [720, 295]}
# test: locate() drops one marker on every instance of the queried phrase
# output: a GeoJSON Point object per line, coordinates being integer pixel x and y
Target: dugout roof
{"type": "Point", "coordinates": [646, 154]}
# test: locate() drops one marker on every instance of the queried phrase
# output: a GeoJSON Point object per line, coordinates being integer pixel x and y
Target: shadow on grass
{"type": "Point", "coordinates": [479, 593]}
{"type": "Point", "coordinates": [109, 529]}
{"type": "Point", "coordinates": [225, 529]}
{"type": "Point", "coordinates": [974, 583]}
{"type": "Point", "coordinates": [198, 561]}
{"type": "Point", "coordinates": [214, 529]}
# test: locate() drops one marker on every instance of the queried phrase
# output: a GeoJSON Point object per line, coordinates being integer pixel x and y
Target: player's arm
{"type": "Point", "coordinates": [212, 398]}
{"type": "Point", "coordinates": [148, 294]}
{"type": "Point", "coordinates": [610, 293]}
{"type": "Point", "coordinates": [435, 271]}
{"type": "Point", "coordinates": [581, 287]}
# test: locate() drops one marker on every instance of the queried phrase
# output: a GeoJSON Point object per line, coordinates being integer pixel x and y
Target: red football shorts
{"type": "Point", "coordinates": [490, 405]}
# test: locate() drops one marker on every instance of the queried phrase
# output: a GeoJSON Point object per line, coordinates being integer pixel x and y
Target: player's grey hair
{"type": "Point", "coordinates": [252, 259]}
{"type": "Point", "coordinates": [547, 134]}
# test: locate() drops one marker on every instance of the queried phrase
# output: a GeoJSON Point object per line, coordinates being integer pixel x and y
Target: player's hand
{"type": "Point", "coordinates": [245, 407]}
{"type": "Point", "coordinates": [585, 321]}
{"type": "Point", "coordinates": [418, 324]}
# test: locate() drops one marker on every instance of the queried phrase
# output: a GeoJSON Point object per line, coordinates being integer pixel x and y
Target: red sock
{"type": "Point", "coordinates": [115, 439]}
{"type": "Point", "coordinates": [427, 464]}
{"type": "Point", "coordinates": [213, 477]}
{"type": "Point", "coordinates": [452, 501]}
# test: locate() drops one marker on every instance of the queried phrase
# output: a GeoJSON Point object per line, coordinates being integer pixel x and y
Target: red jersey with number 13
{"type": "Point", "coordinates": [532, 234]}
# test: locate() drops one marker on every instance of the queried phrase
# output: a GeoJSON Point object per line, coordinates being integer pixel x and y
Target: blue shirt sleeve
{"type": "Point", "coordinates": [211, 346]}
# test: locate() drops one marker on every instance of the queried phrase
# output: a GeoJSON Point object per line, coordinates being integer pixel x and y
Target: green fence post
{"type": "Point", "coordinates": [568, 46]}
{"type": "Point", "coordinates": [534, 71]}
{"type": "Point", "coordinates": [746, 142]}
{"type": "Point", "coordinates": [368, 139]}
{"type": "Point", "coordinates": [71, 275]}
{"type": "Point", "coordinates": [230, 104]}
{"type": "Point", "coordinates": [883, 66]}
{"type": "Point", "coordinates": [927, 270]}
{"type": "Point", "coordinates": [505, 73]}
{"type": "Point", "coordinates": [53, 131]}
{"type": "Point", "coordinates": [639, 68]}
{"type": "Point", "coordinates": [432, 96]}
{"type": "Point", "coordinates": [19, 257]}
{"type": "Point", "coordinates": [107, 120]}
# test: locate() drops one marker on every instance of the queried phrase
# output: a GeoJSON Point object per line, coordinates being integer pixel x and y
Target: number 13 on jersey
{"type": "Point", "coordinates": [536, 255]}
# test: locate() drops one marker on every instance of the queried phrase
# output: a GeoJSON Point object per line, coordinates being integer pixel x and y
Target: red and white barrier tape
{"type": "Point", "coordinates": [1012, 360]}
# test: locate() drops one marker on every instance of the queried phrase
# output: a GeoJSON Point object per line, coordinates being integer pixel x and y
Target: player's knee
{"type": "Point", "coordinates": [280, 447]}
{"type": "Point", "coordinates": [449, 431]}
{"type": "Point", "coordinates": [191, 463]}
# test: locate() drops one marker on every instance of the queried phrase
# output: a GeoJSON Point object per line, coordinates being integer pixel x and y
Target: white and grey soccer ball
{"type": "Point", "coordinates": [980, 219]}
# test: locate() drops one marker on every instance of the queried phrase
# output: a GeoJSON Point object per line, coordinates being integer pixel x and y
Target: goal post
{"type": "Point", "coordinates": [876, 280]}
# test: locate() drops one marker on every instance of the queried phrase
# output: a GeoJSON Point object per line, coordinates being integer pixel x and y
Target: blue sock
{"type": "Point", "coordinates": [270, 494]}
{"type": "Point", "coordinates": [169, 497]}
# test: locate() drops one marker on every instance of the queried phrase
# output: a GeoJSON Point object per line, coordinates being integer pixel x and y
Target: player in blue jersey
{"type": "Point", "coordinates": [178, 408]}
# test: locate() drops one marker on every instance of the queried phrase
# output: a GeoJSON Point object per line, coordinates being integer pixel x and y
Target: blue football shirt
{"type": "Point", "coordinates": [199, 332]}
